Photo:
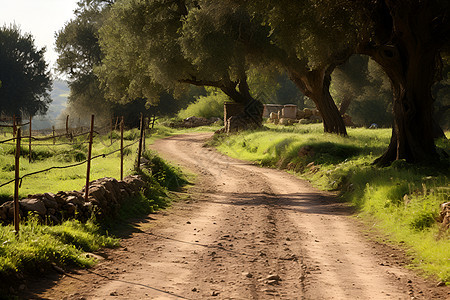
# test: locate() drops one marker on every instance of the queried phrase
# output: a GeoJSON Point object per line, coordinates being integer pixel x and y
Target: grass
{"type": "Point", "coordinates": [46, 156]}
{"type": "Point", "coordinates": [401, 200]}
{"type": "Point", "coordinates": [39, 246]}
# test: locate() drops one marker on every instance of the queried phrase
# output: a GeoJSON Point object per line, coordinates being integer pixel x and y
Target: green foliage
{"type": "Point", "coordinates": [165, 174]}
{"type": "Point", "coordinates": [366, 88]}
{"type": "Point", "coordinates": [206, 106]}
{"type": "Point", "coordinates": [401, 200]}
{"type": "Point", "coordinates": [131, 135]}
{"type": "Point", "coordinates": [26, 81]}
{"type": "Point", "coordinates": [39, 246]}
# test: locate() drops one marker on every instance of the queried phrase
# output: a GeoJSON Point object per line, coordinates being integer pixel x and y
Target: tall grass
{"type": "Point", "coordinates": [401, 200]}
{"type": "Point", "coordinates": [206, 106]}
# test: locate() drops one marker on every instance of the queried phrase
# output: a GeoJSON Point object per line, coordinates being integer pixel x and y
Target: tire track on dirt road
{"type": "Point", "coordinates": [245, 232]}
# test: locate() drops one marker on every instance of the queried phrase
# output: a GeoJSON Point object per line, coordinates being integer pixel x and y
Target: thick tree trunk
{"type": "Point", "coordinates": [409, 60]}
{"type": "Point", "coordinates": [253, 109]}
{"type": "Point", "coordinates": [316, 85]}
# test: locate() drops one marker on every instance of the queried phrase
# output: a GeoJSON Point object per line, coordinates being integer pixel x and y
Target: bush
{"type": "Point", "coordinates": [210, 106]}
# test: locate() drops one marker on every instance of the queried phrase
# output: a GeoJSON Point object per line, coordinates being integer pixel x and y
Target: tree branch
{"type": "Point", "coordinates": [198, 82]}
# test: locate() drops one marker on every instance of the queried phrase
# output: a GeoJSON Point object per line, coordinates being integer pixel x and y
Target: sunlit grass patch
{"type": "Point", "coordinates": [38, 246]}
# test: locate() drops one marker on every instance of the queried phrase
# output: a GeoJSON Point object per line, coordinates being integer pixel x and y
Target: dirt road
{"type": "Point", "coordinates": [244, 233]}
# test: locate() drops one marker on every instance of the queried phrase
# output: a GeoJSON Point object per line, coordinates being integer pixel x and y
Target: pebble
{"type": "Point", "coordinates": [274, 277]}
{"type": "Point", "coordinates": [440, 283]}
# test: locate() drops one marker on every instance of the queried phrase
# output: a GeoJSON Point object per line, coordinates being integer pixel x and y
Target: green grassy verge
{"type": "Point", "coordinates": [39, 247]}
{"type": "Point", "coordinates": [401, 200]}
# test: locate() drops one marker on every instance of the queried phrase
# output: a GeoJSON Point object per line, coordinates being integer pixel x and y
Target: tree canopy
{"type": "Point", "coordinates": [164, 45]}
{"type": "Point", "coordinates": [150, 46]}
{"type": "Point", "coordinates": [25, 79]}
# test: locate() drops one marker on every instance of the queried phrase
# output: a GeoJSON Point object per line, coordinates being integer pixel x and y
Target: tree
{"type": "Point", "coordinates": [26, 81]}
{"type": "Point", "coordinates": [169, 44]}
{"type": "Point", "coordinates": [406, 41]}
{"type": "Point", "coordinates": [308, 45]}
{"type": "Point", "coordinates": [404, 37]}
{"type": "Point", "coordinates": [79, 52]}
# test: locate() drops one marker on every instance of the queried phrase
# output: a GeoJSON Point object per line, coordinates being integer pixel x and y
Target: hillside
{"type": "Point", "coordinates": [59, 96]}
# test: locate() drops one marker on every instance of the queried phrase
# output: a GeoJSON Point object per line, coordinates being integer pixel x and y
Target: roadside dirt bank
{"type": "Point", "coordinates": [244, 232]}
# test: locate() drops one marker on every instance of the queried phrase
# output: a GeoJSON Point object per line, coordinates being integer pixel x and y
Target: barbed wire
{"type": "Point", "coordinates": [8, 140]}
{"type": "Point", "coordinates": [17, 125]}
{"type": "Point", "coordinates": [68, 166]}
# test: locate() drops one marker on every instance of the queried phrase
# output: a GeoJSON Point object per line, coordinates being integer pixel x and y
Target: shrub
{"type": "Point", "coordinates": [210, 106]}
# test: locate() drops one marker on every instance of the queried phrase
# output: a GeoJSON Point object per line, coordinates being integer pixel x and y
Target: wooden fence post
{"type": "Point", "coordinates": [16, 184]}
{"type": "Point", "coordinates": [145, 127]}
{"type": "Point", "coordinates": [14, 125]}
{"type": "Point", "coordinates": [67, 126]}
{"type": "Point", "coordinates": [121, 149]}
{"type": "Point", "coordinates": [29, 142]}
{"type": "Point", "coordinates": [117, 122]}
{"type": "Point", "coordinates": [112, 129]}
{"type": "Point", "coordinates": [53, 129]}
{"type": "Point", "coordinates": [89, 159]}
{"type": "Point", "coordinates": [140, 143]}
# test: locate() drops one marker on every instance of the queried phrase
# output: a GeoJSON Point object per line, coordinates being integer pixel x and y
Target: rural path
{"type": "Point", "coordinates": [243, 232]}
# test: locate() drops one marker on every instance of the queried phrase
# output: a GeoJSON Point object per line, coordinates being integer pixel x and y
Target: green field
{"type": "Point", "coordinates": [402, 201]}
{"type": "Point", "coordinates": [39, 246]}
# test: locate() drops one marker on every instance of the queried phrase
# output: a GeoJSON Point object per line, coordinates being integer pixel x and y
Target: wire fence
{"type": "Point", "coordinates": [17, 141]}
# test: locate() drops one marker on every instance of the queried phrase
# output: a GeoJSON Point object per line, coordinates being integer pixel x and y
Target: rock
{"type": "Point", "coordinates": [247, 274]}
{"type": "Point", "coordinates": [50, 202]}
{"type": "Point", "coordinates": [440, 283]}
{"type": "Point", "coordinates": [285, 122]}
{"type": "Point", "coordinates": [58, 269]}
{"type": "Point", "coordinates": [54, 219]}
{"type": "Point", "coordinates": [273, 277]}
{"type": "Point", "coordinates": [70, 209]}
{"type": "Point", "coordinates": [36, 205]}
{"type": "Point", "coordinates": [214, 294]}
{"type": "Point", "coordinates": [94, 256]}
{"type": "Point", "coordinates": [4, 210]}
{"type": "Point", "coordinates": [114, 293]}
{"type": "Point", "coordinates": [77, 201]}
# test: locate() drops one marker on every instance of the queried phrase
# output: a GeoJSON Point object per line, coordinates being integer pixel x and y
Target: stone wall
{"type": "Point", "coordinates": [105, 197]}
